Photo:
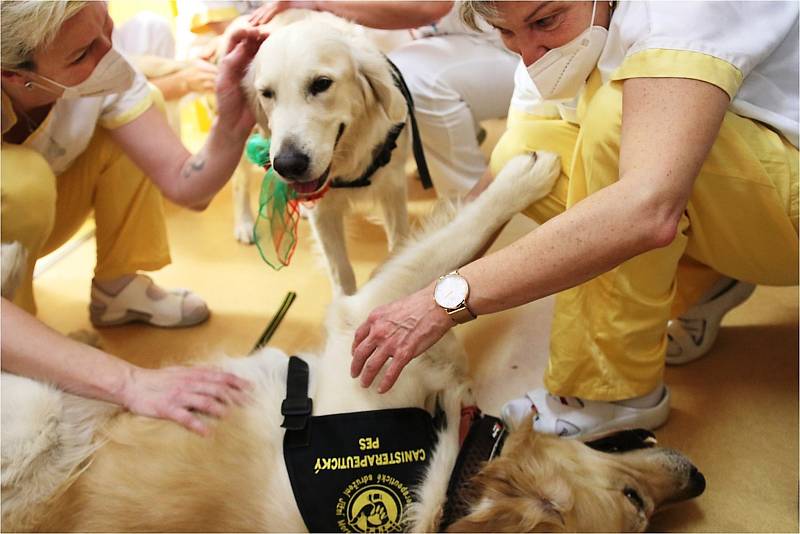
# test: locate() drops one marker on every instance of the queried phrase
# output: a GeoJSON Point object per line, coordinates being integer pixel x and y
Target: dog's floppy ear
{"type": "Point", "coordinates": [249, 88]}
{"type": "Point", "coordinates": [518, 492]}
{"type": "Point", "coordinates": [377, 82]}
{"type": "Point", "coordinates": [511, 515]}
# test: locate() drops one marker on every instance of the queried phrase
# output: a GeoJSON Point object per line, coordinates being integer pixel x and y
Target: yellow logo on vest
{"type": "Point", "coordinates": [373, 504]}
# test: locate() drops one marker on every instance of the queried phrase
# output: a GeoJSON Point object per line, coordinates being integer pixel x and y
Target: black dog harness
{"type": "Point", "coordinates": [483, 443]}
{"type": "Point", "coordinates": [380, 157]}
{"type": "Point", "coordinates": [352, 472]}
{"type": "Point", "coordinates": [383, 153]}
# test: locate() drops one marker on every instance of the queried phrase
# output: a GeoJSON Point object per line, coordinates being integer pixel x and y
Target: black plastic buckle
{"type": "Point", "coordinates": [294, 407]}
{"type": "Point", "coordinates": [295, 413]}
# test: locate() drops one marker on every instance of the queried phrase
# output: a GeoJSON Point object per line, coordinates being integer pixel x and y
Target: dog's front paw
{"type": "Point", "coordinates": [528, 178]}
{"type": "Point", "coordinates": [243, 232]}
{"type": "Point", "coordinates": [546, 171]}
{"type": "Point", "coordinates": [14, 258]}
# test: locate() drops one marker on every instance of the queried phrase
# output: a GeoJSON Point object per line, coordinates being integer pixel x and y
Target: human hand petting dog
{"type": "Point", "coordinates": [34, 350]}
{"type": "Point", "coordinates": [269, 10]}
{"type": "Point", "coordinates": [181, 393]}
{"type": "Point", "coordinates": [400, 330]}
{"type": "Point", "coordinates": [233, 110]}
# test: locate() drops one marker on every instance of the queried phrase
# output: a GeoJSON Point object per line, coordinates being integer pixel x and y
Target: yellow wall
{"type": "Point", "coordinates": [122, 10]}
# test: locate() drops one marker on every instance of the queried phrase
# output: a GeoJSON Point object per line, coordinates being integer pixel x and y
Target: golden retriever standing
{"type": "Point", "coordinates": [337, 121]}
{"type": "Point", "coordinates": [382, 40]}
{"type": "Point", "coordinates": [72, 464]}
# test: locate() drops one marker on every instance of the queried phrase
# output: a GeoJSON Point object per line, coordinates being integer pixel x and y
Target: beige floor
{"type": "Point", "coordinates": [735, 412]}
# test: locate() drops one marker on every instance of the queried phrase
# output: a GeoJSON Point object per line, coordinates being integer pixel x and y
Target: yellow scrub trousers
{"type": "Point", "coordinates": [43, 211]}
{"type": "Point", "coordinates": [608, 339]}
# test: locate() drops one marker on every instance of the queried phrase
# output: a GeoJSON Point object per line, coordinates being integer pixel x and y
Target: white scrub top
{"type": "Point", "coordinates": [748, 49]}
{"type": "Point", "coordinates": [70, 125]}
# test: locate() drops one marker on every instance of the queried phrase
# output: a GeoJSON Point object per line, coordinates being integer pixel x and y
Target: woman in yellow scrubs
{"type": "Point", "coordinates": [677, 128]}
{"type": "Point", "coordinates": [81, 133]}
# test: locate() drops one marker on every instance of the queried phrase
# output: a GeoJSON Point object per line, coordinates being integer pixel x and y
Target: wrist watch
{"type": "Point", "coordinates": [451, 293]}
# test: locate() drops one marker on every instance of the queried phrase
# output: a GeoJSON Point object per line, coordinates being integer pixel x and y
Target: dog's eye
{"type": "Point", "coordinates": [267, 93]}
{"type": "Point", "coordinates": [633, 496]}
{"type": "Point", "coordinates": [320, 85]}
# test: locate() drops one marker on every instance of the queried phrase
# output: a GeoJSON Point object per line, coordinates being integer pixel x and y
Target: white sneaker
{"type": "Point", "coordinates": [691, 335]}
{"type": "Point", "coordinates": [571, 417]}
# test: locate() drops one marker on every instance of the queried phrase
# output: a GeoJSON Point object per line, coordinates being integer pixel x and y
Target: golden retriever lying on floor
{"type": "Point", "coordinates": [71, 464]}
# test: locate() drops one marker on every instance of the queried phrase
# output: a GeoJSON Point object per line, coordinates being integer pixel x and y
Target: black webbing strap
{"type": "Point", "coordinates": [381, 157]}
{"type": "Point", "coordinates": [296, 407]}
{"type": "Point", "coordinates": [276, 320]}
{"type": "Point", "coordinates": [416, 140]}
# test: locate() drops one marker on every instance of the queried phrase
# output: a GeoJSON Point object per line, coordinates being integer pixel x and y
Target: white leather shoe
{"type": "Point", "coordinates": [139, 302]}
{"type": "Point", "coordinates": [692, 335]}
{"type": "Point", "coordinates": [571, 417]}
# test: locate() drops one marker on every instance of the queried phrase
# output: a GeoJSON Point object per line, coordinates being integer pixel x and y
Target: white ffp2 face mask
{"type": "Point", "coordinates": [112, 74]}
{"type": "Point", "coordinates": [560, 73]}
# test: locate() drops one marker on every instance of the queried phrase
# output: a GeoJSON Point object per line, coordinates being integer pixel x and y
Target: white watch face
{"type": "Point", "coordinates": [451, 291]}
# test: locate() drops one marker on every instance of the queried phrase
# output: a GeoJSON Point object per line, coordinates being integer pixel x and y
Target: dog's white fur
{"type": "Point", "coordinates": [44, 425]}
{"type": "Point", "coordinates": [46, 446]}
{"type": "Point", "coordinates": [363, 100]}
{"type": "Point", "coordinates": [47, 437]}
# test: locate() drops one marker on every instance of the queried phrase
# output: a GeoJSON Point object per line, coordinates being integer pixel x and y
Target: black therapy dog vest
{"type": "Point", "coordinates": [352, 472]}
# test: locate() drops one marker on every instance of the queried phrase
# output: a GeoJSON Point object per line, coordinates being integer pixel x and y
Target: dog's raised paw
{"type": "Point", "coordinates": [529, 177]}
{"type": "Point", "coordinates": [547, 169]}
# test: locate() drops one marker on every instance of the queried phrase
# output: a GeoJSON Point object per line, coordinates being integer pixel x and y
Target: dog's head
{"type": "Point", "coordinates": [311, 83]}
{"type": "Point", "coordinates": [547, 484]}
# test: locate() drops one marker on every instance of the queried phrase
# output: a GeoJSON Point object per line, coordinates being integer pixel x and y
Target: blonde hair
{"type": "Point", "coordinates": [470, 9]}
{"type": "Point", "coordinates": [27, 25]}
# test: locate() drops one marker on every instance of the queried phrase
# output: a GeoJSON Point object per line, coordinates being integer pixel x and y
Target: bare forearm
{"type": "Point", "coordinates": [200, 176]}
{"type": "Point", "coordinates": [193, 180]}
{"type": "Point", "coordinates": [387, 15]}
{"type": "Point", "coordinates": [189, 180]}
{"type": "Point", "coordinates": [589, 239]}
{"type": "Point", "coordinates": [30, 348]}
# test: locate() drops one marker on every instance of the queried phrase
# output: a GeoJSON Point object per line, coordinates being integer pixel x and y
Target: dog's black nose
{"type": "Point", "coordinates": [290, 162]}
{"type": "Point", "coordinates": [697, 483]}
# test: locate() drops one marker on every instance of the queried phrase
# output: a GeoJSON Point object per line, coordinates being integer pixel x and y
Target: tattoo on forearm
{"type": "Point", "coordinates": [195, 164]}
